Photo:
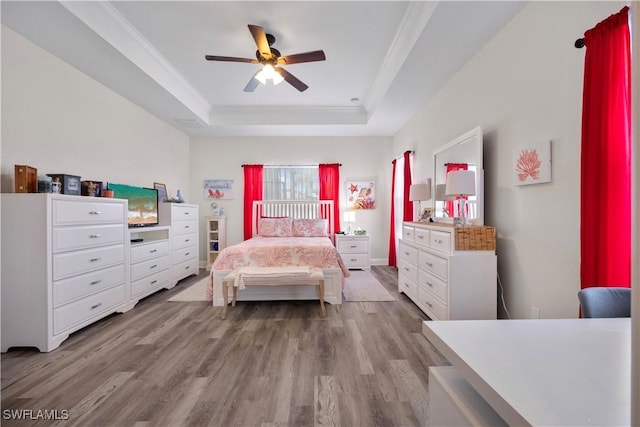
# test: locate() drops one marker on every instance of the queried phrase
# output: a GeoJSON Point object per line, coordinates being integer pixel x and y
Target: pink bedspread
{"type": "Point", "coordinates": [277, 252]}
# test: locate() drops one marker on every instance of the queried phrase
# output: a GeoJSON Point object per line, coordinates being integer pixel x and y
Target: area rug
{"type": "Point", "coordinates": [363, 286]}
{"type": "Point", "coordinates": [195, 292]}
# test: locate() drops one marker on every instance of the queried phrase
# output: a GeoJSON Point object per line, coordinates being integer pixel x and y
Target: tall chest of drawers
{"type": "Point", "coordinates": [183, 220]}
{"type": "Point", "coordinates": [445, 283]}
{"type": "Point", "coordinates": [64, 262]}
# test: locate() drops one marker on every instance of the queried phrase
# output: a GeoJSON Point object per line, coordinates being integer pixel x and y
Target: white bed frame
{"type": "Point", "coordinates": [311, 209]}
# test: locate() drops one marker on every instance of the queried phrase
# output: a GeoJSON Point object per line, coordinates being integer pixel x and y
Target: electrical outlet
{"type": "Point", "coordinates": [535, 312]}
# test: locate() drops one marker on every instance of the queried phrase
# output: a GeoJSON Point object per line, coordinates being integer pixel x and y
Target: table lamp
{"type": "Point", "coordinates": [349, 217]}
{"type": "Point", "coordinates": [461, 183]}
{"type": "Point", "coordinates": [420, 192]}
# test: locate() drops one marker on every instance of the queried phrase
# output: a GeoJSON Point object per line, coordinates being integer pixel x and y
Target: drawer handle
{"type": "Point", "coordinates": [353, 246]}
{"type": "Point", "coordinates": [420, 237]}
{"type": "Point", "coordinates": [406, 253]}
{"type": "Point", "coordinates": [187, 253]}
{"type": "Point", "coordinates": [429, 304]}
{"type": "Point", "coordinates": [153, 282]}
{"type": "Point", "coordinates": [187, 226]}
{"type": "Point", "coordinates": [186, 213]}
{"type": "Point", "coordinates": [93, 307]}
{"type": "Point", "coordinates": [187, 267]}
{"type": "Point", "coordinates": [153, 251]}
{"type": "Point", "coordinates": [430, 264]}
{"type": "Point", "coordinates": [95, 259]}
{"type": "Point", "coordinates": [438, 241]}
{"type": "Point", "coordinates": [94, 212]}
{"type": "Point", "coordinates": [186, 240]}
{"type": "Point", "coordinates": [353, 259]}
{"type": "Point", "coordinates": [95, 282]}
{"type": "Point", "coordinates": [406, 269]}
{"type": "Point", "coordinates": [94, 236]}
{"type": "Point", "coordinates": [153, 266]}
{"type": "Point", "coordinates": [430, 284]}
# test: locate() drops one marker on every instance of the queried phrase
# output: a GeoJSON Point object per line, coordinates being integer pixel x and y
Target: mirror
{"type": "Point", "coordinates": [464, 150]}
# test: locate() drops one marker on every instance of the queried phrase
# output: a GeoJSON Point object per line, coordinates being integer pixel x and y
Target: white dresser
{"type": "Point", "coordinates": [183, 220]}
{"type": "Point", "coordinates": [150, 261]}
{"type": "Point", "coordinates": [445, 283]}
{"type": "Point", "coordinates": [64, 264]}
{"type": "Point", "coordinates": [354, 250]}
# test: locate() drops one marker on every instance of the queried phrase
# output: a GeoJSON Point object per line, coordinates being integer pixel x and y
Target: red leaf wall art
{"type": "Point", "coordinates": [532, 165]}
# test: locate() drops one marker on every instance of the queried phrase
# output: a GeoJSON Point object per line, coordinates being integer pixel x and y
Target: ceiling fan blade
{"type": "Point", "coordinates": [229, 59]}
{"type": "Point", "coordinates": [261, 40]}
{"type": "Point", "coordinates": [292, 80]}
{"type": "Point", "coordinates": [253, 83]}
{"type": "Point", "coordinates": [316, 55]}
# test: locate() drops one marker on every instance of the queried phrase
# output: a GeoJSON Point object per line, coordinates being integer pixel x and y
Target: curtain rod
{"type": "Point", "coordinates": [579, 44]}
{"type": "Point", "coordinates": [290, 166]}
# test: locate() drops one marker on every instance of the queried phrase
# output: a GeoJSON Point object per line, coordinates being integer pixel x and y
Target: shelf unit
{"type": "Point", "coordinates": [216, 237]}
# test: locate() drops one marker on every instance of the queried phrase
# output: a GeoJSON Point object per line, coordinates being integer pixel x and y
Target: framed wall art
{"type": "Point", "coordinates": [532, 164]}
{"type": "Point", "coordinates": [220, 189]}
{"type": "Point", "coordinates": [361, 194]}
{"type": "Point", "coordinates": [162, 191]}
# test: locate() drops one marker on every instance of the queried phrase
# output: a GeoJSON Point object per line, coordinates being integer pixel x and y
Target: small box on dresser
{"type": "Point", "coordinates": [445, 282]}
{"type": "Point", "coordinates": [183, 219]}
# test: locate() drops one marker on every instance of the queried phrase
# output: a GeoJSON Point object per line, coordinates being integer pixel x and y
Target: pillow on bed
{"type": "Point", "coordinates": [275, 227]}
{"type": "Point", "coordinates": [311, 227]}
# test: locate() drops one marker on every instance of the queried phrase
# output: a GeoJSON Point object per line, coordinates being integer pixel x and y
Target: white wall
{"type": "Point", "coordinates": [524, 87]}
{"type": "Point", "coordinates": [363, 157]}
{"type": "Point", "coordinates": [58, 120]}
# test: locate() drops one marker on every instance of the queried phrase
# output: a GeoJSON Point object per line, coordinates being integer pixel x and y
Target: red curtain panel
{"type": "Point", "coordinates": [392, 227]}
{"type": "Point", "coordinates": [407, 211]}
{"type": "Point", "coordinates": [329, 174]}
{"type": "Point", "coordinates": [252, 191]}
{"type": "Point", "coordinates": [605, 181]}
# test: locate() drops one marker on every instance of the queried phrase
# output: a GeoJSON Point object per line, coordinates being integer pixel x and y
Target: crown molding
{"type": "Point", "coordinates": [102, 18]}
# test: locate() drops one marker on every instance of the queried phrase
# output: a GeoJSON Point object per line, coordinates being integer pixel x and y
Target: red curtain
{"type": "Point", "coordinates": [252, 191]}
{"type": "Point", "coordinates": [329, 174]}
{"type": "Point", "coordinates": [448, 204]}
{"type": "Point", "coordinates": [605, 182]}
{"type": "Point", "coordinates": [392, 233]}
{"type": "Point", "coordinates": [407, 211]}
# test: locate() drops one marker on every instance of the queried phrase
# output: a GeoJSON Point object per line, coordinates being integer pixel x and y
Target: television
{"type": "Point", "coordinates": [143, 203]}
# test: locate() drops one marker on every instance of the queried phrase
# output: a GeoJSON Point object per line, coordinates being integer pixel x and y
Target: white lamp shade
{"type": "Point", "coordinates": [419, 192]}
{"type": "Point", "coordinates": [461, 183]}
{"type": "Point", "coordinates": [441, 192]}
{"type": "Point", "coordinates": [349, 216]}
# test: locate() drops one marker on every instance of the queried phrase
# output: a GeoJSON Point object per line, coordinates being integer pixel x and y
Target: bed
{"type": "Point", "coordinates": [285, 234]}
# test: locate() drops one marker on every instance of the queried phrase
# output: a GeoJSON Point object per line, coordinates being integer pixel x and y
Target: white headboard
{"type": "Point", "coordinates": [310, 209]}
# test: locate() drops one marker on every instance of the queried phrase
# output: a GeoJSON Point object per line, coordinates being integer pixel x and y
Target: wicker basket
{"type": "Point", "coordinates": [475, 238]}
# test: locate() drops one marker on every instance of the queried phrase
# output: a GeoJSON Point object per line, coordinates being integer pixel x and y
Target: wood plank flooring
{"type": "Point", "coordinates": [268, 364]}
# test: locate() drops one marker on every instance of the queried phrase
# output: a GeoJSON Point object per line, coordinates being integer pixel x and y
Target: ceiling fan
{"type": "Point", "coordinates": [270, 58]}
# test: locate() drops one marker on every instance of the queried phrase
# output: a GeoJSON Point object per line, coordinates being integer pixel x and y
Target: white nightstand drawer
{"type": "Point", "coordinates": [86, 284]}
{"type": "Point", "coordinates": [90, 236]}
{"type": "Point", "coordinates": [148, 267]}
{"type": "Point", "coordinates": [76, 312]}
{"type": "Point", "coordinates": [348, 245]}
{"type": "Point", "coordinates": [441, 241]}
{"type": "Point", "coordinates": [67, 212]}
{"type": "Point", "coordinates": [185, 227]}
{"type": "Point", "coordinates": [408, 253]}
{"type": "Point", "coordinates": [434, 265]}
{"type": "Point", "coordinates": [355, 260]}
{"type": "Point", "coordinates": [422, 237]}
{"type": "Point", "coordinates": [141, 252]}
{"type": "Point", "coordinates": [431, 283]}
{"type": "Point", "coordinates": [408, 269]}
{"type": "Point", "coordinates": [71, 263]}
{"type": "Point", "coordinates": [184, 240]}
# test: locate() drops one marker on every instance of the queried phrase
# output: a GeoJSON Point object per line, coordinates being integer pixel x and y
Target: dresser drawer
{"type": "Point", "coordinates": [408, 286]}
{"type": "Point", "coordinates": [79, 311]}
{"type": "Point", "coordinates": [441, 241]}
{"type": "Point", "coordinates": [184, 254]}
{"type": "Point", "coordinates": [408, 253]}
{"type": "Point", "coordinates": [422, 237]}
{"type": "Point", "coordinates": [408, 269]}
{"type": "Point", "coordinates": [408, 233]}
{"type": "Point", "coordinates": [434, 265]}
{"type": "Point", "coordinates": [145, 268]}
{"type": "Point", "coordinates": [184, 240]}
{"type": "Point", "coordinates": [150, 283]}
{"type": "Point", "coordinates": [68, 212]}
{"type": "Point", "coordinates": [86, 284]}
{"type": "Point", "coordinates": [430, 305]}
{"type": "Point", "coordinates": [353, 246]}
{"type": "Point", "coordinates": [149, 250]}
{"type": "Point", "coordinates": [71, 263]}
{"type": "Point", "coordinates": [184, 213]}
{"type": "Point", "coordinates": [185, 227]}
{"type": "Point", "coordinates": [185, 268]}
{"type": "Point", "coordinates": [430, 283]}
{"type": "Point", "coordinates": [71, 238]}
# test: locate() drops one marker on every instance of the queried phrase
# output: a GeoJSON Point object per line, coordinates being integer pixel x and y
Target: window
{"type": "Point", "coordinates": [290, 183]}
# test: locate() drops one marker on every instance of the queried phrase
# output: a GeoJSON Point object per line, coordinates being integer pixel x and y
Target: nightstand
{"type": "Point", "coordinates": [355, 250]}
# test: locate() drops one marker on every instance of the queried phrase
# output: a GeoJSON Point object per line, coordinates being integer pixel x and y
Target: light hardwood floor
{"type": "Point", "coordinates": [268, 364]}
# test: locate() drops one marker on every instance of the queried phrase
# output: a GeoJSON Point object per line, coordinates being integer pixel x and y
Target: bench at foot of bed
{"type": "Point", "coordinates": [271, 276]}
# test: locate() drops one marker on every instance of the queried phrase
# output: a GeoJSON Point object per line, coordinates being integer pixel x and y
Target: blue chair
{"type": "Point", "coordinates": [605, 302]}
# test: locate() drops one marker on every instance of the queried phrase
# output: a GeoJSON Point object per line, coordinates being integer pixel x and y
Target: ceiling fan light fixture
{"type": "Point", "coordinates": [268, 72]}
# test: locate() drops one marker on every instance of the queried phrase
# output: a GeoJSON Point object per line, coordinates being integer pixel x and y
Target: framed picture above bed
{"type": "Point", "coordinates": [361, 193]}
